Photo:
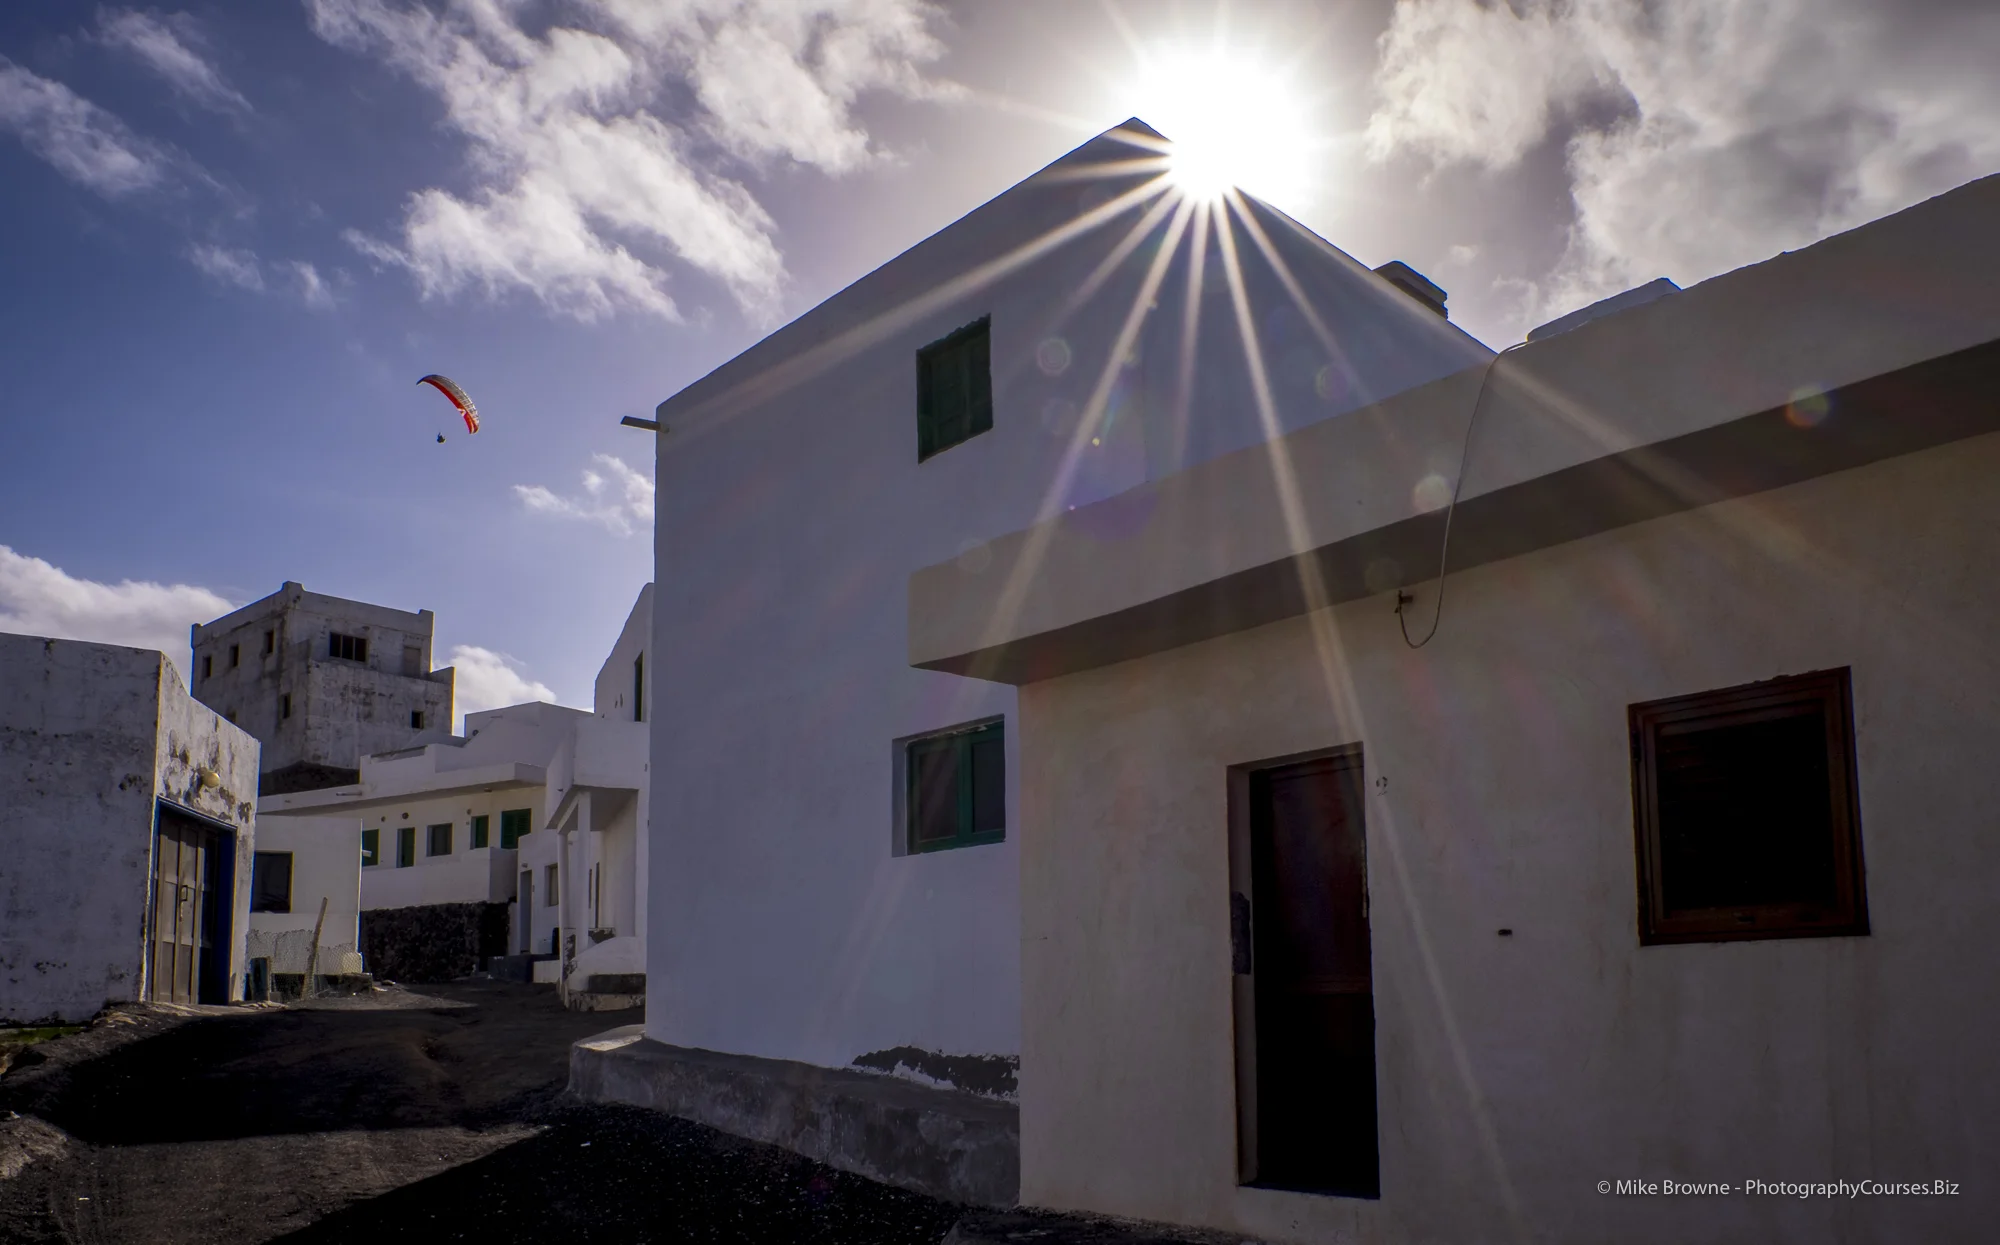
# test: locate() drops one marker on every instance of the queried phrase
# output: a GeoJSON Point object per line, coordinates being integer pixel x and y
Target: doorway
{"type": "Point", "coordinates": [1305, 993]}
{"type": "Point", "coordinates": [194, 888]}
{"type": "Point", "coordinates": [524, 903]}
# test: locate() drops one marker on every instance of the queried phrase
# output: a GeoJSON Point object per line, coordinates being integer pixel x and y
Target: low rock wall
{"type": "Point", "coordinates": [432, 942]}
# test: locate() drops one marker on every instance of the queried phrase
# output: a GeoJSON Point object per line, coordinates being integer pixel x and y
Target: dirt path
{"type": "Point", "coordinates": [431, 1117]}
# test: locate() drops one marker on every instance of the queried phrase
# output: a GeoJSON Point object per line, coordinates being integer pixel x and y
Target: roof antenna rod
{"type": "Point", "coordinates": [1404, 599]}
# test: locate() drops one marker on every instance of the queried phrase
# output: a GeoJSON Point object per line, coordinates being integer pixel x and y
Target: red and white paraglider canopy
{"type": "Point", "coordinates": [449, 388]}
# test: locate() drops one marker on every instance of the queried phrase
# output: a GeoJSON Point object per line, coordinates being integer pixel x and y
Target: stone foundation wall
{"type": "Point", "coordinates": [433, 942]}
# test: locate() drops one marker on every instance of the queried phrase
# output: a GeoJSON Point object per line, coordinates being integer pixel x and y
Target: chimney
{"type": "Point", "coordinates": [1415, 284]}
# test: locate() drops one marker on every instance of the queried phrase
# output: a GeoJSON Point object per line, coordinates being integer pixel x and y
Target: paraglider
{"type": "Point", "coordinates": [449, 388]}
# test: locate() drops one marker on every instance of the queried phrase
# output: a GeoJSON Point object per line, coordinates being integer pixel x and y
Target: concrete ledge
{"type": "Point", "coordinates": [944, 1143]}
{"type": "Point", "coordinates": [1041, 1227]}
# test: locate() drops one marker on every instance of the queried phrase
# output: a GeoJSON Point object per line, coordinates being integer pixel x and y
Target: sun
{"type": "Point", "coordinates": [1235, 120]}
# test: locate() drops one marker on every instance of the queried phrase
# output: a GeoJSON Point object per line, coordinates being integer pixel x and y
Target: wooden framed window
{"type": "Point", "coordinates": [416, 719]}
{"type": "Point", "coordinates": [479, 830]}
{"type": "Point", "coordinates": [371, 847]}
{"type": "Point", "coordinates": [955, 788]}
{"type": "Point", "coordinates": [1746, 813]}
{"type": "Point", "coordinates": [271, 882]}
{"type": "Point", "coordinates": [954, 388]}
{"type": "Point", "coordinates": [346, 647]}
{"type": "Point", "coordinates": [513, 826]}
{"type": "Point", "coordinates": [406, 846]}
{"type": "Point", "coordinates": [438, 840]}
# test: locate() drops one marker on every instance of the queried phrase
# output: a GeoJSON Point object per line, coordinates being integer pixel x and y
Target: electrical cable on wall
{"type": "Point", "coordinates": [1451, 508]}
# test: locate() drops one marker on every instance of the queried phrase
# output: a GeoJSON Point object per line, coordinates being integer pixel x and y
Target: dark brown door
{"type": "Point", "coordinates": [1315, 1005]}
{"type": "Point", "coordinates": [192, 883]}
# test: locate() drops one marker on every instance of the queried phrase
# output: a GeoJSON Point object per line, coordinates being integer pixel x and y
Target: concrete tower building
{"type": "Point", "coordinates": [321, 682]}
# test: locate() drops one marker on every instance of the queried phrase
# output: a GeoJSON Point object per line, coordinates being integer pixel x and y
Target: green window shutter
{"type": "Point", "coordinates": [927, 441]}
{"type": "Point", "coordinates": [956, 789]}
{"type": "Point", "coordinates": [371, 847]}
{"type": "Point", "coordinates": [934, 793]}
{"type": "Point", "coordinates": [479, 830]}
{"type": "Point", "coordinates": [513, 826]}
{"type": "Point", "coordinates": [406, 846]}
{"type": "Point", "coordinates": [979, 382]}
{"type": "Point", "coordinates": [954, 389]}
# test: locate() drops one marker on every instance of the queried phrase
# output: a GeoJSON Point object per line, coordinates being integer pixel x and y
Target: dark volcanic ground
{"type": "Point", "coordinates": [402, 1116]}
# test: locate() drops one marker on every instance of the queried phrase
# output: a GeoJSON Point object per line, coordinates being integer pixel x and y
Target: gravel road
{"type": "Point", "coordinates": [404, 1115]}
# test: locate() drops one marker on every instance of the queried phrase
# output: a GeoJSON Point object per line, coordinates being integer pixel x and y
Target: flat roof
{"type": "Point", "coordinates": [1880, 341]}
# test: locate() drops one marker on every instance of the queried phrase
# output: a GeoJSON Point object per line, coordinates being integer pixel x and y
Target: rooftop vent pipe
{"type": "Point", "coordinates": [1415, 284]}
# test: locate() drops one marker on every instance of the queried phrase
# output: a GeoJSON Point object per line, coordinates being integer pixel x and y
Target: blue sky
{"type": "Point", "coordinates": [238, 233]}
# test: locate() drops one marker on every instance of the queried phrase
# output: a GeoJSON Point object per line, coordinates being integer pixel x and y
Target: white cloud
{"type": "Point", "coordinates": [1700, 135]}
{"type": "Point", "coordinates": [620, 497]}
{"type": "Point", "coordinates": [37, 598]}
{"type": "Point", "coordinates": [229, 266]}
{"type": "Point", "coordinates": [311, 288]}
{"type": "Point", "coordinates": [580, 184]}
{"type": "Point", "coordinates": [485, 679]}
{"type": "Point", "coordinates": [169, 46]}
{"type": "Point", "coordinates": [244, 270]}
{"type": "Point", "coordinates": [84, 142]}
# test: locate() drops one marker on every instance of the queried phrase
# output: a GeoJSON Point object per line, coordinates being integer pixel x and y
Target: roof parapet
{"type": "Point", "coordinates": [1637, 296]}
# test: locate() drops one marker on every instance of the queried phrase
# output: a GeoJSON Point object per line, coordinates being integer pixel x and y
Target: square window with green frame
{"type": "Point", "coordinates": [514, 826]}
{"type": "Point", "coordinates": [371, 847]}
{"type": "Point", "coordinates": [955, 788]}
{"type": "Point", "coordinates": [479, 834]}
{"type": "Point", "coordinates": [955, 388]}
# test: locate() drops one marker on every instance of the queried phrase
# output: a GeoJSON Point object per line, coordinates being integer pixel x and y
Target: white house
{"type": "Point", "coordinates": [834, 868]}
{"type": "Point", "coordinates": [436, 828]}
{"type": "Point", "coordinates": [128, 815]}
{"type": "Point", "coordinates": [1664, 856]}
{"type": "Point", "coordinates": [593, 846]}
{"type": "Point", "coordinates": [322, 681]}
{"type": "Point", "coordinates": [519, 837]}
{"type": "Point", "coordinates": [306, 879]}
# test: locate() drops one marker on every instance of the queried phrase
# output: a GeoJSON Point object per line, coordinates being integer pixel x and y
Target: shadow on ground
{"type": "Point", "coordinates": [481, 1055]}
{"type": "Point", "coordinates": [620, 1174]}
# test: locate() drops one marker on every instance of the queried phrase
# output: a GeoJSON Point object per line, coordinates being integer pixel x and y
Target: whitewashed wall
{"type": "Point", "coordinates": [92, 736]}
{"type": "Point", "coordinates": [1517, 1072]}
{"type": "Point", "coordinates": [792, 509]}
{"type": "Point", "coordinates": [326, 864]}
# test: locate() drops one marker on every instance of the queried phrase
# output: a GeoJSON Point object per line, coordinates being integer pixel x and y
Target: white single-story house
{"type": "Point", "coordinates": [306, 877]}
{"type": "Point", "coordinates": [128, 811]}
{"type": "Point", "coordinates": [1633, 880]}
{"type": "Point", "coordinates": [834, 838]}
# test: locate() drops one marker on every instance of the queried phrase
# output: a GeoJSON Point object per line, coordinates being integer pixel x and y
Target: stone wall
{"type": "Point", "coordinates": [434, 942]}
